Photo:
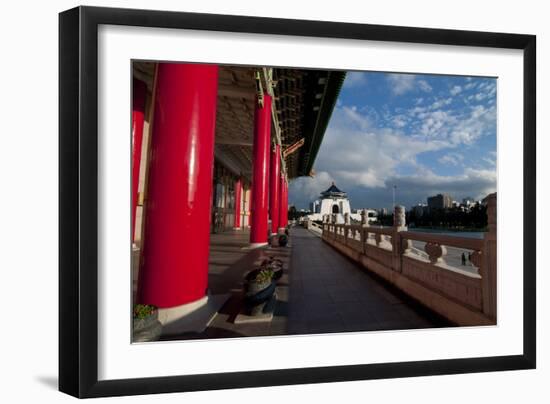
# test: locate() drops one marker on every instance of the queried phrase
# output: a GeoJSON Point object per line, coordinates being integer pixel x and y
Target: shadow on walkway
{"type": "Point", "coordinates": [322, 291]}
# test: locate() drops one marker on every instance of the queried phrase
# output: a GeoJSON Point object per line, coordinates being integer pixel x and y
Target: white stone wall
{"type": "Point", "coordinates": [327, 204]}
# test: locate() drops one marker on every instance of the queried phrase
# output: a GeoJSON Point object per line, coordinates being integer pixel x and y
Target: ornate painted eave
{"type": "Point", "coordinates": [305, 100]}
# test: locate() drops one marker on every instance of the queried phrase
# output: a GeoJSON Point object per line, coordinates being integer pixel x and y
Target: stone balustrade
{"type": "Point", "coordinates": [465, 297]}
{"type": "Point", "coordinates": [315, 228]}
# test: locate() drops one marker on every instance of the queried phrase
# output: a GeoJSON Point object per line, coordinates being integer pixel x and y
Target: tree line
{"type": "Point", "coordinates": [451, 218]}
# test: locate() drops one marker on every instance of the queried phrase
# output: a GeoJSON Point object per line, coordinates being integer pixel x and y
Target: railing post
{"type": "Point", "coordinates": [399, 225]}
{"type": "Point", "coordinates": [347, 223]}
{"type": "Point", "coordinates": [364, 218]}
{"type": "Point", "coordinates": [346, 231]}
{"type": "Point", "coordinates": [488, 270]}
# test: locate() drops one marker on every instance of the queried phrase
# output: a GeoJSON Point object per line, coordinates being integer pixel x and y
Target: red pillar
{"type": "Point", "coordinates": [139, 92]}
{"type": "Point", "coordinates": [274, 185]}
{"type": "Point", "coordinates": [176, 240]}
{"type": "Point", "coordinates": [283, 207]}
{"type": "Point", "coordinates": [260, 172]}
{"type": "Point", "coordinates": [238, 202]}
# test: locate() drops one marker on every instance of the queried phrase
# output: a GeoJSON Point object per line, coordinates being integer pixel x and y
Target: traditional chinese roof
{"type": "Point", "coordinates": [333, 192]}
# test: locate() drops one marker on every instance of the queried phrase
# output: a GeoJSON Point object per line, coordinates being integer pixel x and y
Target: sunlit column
{"type": "Point", "coordinates": [177, 232]}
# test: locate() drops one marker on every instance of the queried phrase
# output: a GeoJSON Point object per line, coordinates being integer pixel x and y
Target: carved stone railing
{"type": "Point", "coordinates": [313, 227]}
{"type": "Point", "coordinates": [466, 295]}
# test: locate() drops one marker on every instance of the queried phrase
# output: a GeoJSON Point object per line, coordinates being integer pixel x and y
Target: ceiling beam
{"type": "Point", "coordinates": [238, 142]}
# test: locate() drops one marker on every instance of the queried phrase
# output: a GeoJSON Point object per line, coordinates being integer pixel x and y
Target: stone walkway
{"type": "Point", "coordinates": [322, 291]}
{"type": "Point", "coordinates": [331, 293]}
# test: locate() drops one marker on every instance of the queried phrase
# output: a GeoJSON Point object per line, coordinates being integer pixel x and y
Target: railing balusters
{"type": "Point", "coordinates": [392, 250]}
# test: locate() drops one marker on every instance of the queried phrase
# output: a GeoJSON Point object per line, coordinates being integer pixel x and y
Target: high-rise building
{"type": "Point", "coordinates": [420, 209]}
{"type": "Point", "coordinates": [440, 201]}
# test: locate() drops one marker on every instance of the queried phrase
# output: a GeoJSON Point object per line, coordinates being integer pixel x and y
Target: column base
{"type": "Point", "coordinates": [191, 317]}
{"type": "Point", "coordinates": [281, 230]}
{"type": "Point", "coordinates": [257, 245]}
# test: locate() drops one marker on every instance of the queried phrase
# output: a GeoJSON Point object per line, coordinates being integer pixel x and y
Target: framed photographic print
{"type": "Point", "coordinates": [251, 201]}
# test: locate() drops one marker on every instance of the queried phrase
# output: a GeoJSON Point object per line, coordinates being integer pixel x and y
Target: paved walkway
{"type": "Point", "coordinates": [330, 293]}
{"type": "Point", "coordinates": [322, 291]}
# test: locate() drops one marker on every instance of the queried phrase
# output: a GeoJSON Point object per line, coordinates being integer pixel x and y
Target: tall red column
{"type": "Point", "coordinates": [260, 172]}
{"type": "Point", "coordinates": [176, 240]}
{"type": "Point", "coordinates": [139, 92]}
{"type": "Point", "coordinates": [238, 202]}
{"type": "Point", "coordinates": [274, 185]}
{"type": "Point", "coordinates": [283, 207]}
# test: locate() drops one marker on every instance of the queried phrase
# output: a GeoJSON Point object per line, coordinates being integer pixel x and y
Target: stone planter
{"type": "Point", "coordinates": [257, 294]}
{"type": "Point", "coordinates": [147, 329]}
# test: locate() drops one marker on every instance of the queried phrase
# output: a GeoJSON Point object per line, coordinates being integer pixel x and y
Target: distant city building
{"type": "Point", "coordinates": [468, 202]}
{"type": "Point", "coordinates": [382, 212]}
{"type": "Point", "coordinates": [371, 213]}
{"type": "Point", "coordinates": [420, 210]}
{"type": "Point", "coordinates": [440, 201]}
{"type": "Point", "coordinates": [315, 206]}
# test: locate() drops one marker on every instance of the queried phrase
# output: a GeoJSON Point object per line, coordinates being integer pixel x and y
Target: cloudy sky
{"type": "Point", "coordinates": [425, 134]}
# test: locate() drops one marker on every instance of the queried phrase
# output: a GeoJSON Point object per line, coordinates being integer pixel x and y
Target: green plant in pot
{"type": "Point", "coordinates": [276, 265]}
{"type": "Point", "coordinates": [262, 280]}
{"type": "Point", "coordinates": [283, 240]}
{"type": "Point", "coordinates": [259, 289]}
{"type": "Point", "coordinates": [146, 326]}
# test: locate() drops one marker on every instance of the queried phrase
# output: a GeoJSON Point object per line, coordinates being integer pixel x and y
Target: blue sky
{"type": "Point", "coordinates": [426, 134]}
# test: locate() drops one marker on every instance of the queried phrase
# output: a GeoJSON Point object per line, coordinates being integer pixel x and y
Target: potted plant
{"type": "Point", "coordinates": [259, 289]}
{"type": "Point", "coordinates": [276, 265]}
{"type": "Point", "coordinates": [146, 326]}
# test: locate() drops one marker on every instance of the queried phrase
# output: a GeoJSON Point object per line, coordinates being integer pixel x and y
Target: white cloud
{"type": "Point", "coordinates": [441, 102]}
{"type": "Point", "coordinates": [401, 83]}
{"type": "Point", "coordinates": [456, 90]}
{"type": "Point", "coordinates": [399, 121]}
{"type": "Point", "coordinates": [355, 79]}
{"type": "Point", "coordinates": [435, 123]}
{"type": "Point", "coordinates": [309, 188]}
{"type": "Point", "coordinates": [454, 126]}
{"type": "Point", "coordinates": [491, 159]}
{"type": "Point", "coordinates": [424, 86]}
{"type": "Point", "coordinates": [355, 117]}
{"type": "Point", "coordinates": [473, 126]}
{"type": "Point", "coordinates": [358, 154]}
{"type": "Point", "coordinates": [453, 159]}
{"type": "Point", "coordinates": [363, 158]}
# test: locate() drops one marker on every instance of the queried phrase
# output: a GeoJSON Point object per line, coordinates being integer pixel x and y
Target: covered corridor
{"type": "Point", "coordinates": [322, 291]}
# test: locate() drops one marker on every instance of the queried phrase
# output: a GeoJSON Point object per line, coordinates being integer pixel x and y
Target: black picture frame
{"type": "Point", "coordinates": [78, 196]}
